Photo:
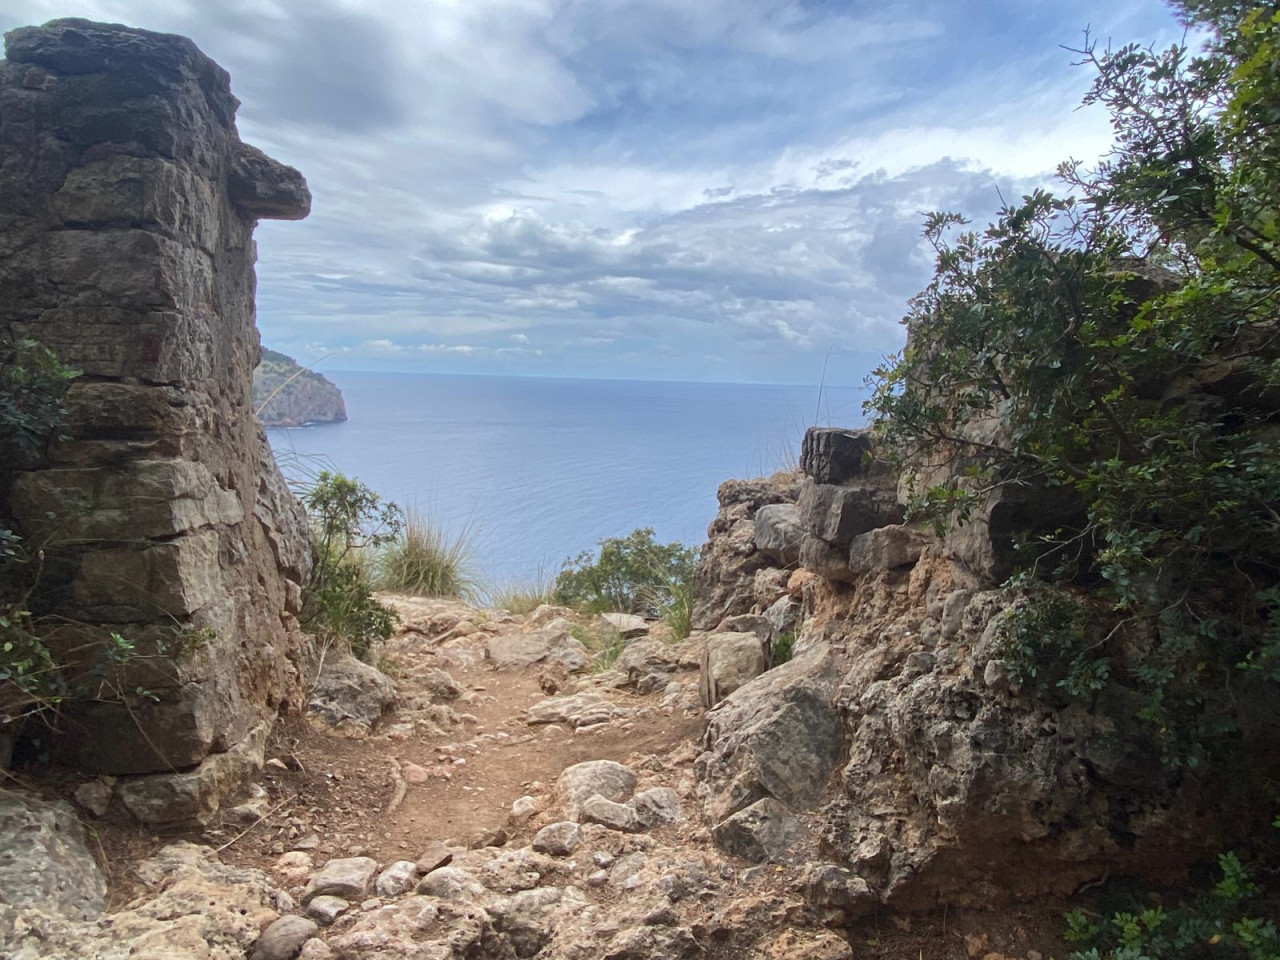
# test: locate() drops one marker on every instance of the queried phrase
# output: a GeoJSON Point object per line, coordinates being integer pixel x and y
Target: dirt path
{"type": "Point", "coordinates": [330, 795]}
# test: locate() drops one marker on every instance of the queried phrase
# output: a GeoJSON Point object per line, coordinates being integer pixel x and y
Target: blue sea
{"type": "Point", "coordinates": [541, 469]}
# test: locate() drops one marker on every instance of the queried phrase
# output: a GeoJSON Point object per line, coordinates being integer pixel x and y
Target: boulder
{"type": "Point", "coordinates": [626, 625]}
{"type": "Point", "coordinates": [550, 645]}
{"type": "Point", "coordinates": [283, 940]}
{"type": "Point", "coordinates": [825, 560]}
{"type": "Point", "coordinates": [584, 709]}
{"type": "Point", "coordinates": [609, 813]}
{"type": "Point", "coordinates": [764, 831]}
{"type": "Point", "coordinates": [778, 736]}
{"type": "Point", "coordinates": [558, 839]}
{"type": "Point", "coordinates": [350, 698]}
{"type": "Point", "coordinates": [171, 800]}
{"type": "Point", "coordinates": [778, 532]}
{"type": "Point", "coordinates": [837, 514]}
{"type": "Point", "coordinates": [730, 661]}
{"type": "Point", "coordinates": [346, 877]}
{"type": "Point", "coordinates": [580, 782]}
{"type": "Point", "coordinates": [396, 879]}
{"type": "Point", "coordinates": [656, 807]}
{"type": "Point", "coordinates": [885, 549]}
{"type": "Point", "coordinates": [833, 455]}
{"type": "Point", "coordinates": [44, 862]}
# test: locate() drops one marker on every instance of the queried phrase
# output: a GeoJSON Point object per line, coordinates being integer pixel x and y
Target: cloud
{"type": "Point", "coordinates": [628, 187]}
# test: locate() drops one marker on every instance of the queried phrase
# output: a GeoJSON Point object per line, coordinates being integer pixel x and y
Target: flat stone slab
{"type": "Point", "coordinates": [346, 877]}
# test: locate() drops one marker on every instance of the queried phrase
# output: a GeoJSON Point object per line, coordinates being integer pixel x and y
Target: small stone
{"type": "Point", "coordinates": [656, 807]}
{"type": "Point", "coordinates": [413, 773]}
{"type": "Point", "coordinates": [522, 810]}
{"type": "Point", "coordinates": [615, 816]}
{"type": "Point", "coordinates": [284, 939]}
{"type": "Point", "coordinates": [346, 877]}
{"type": "Point", "coordinates": [315, 949]}
{"type": "Point", "coordinates": [400, 877]}
{"type": "Point", "coordinates": [327, 909]}
{"type": "Point", "coordinates": [610, 780]}
{"type": "Point", "coordinates": [294, 867]}
{"type": "Point", "coordinates": [598, 879]}
{"type": "Point", "coordinates": [558, 839]}
{"type": "Point", "coordinates": [307, 843]}
{"type": "Point", "coordinates": [436, 855]}
{"type": "Point", "coordinates": [95, 796]}
{"type": "Point", "coordinates": [275, 763]}
{"type": "Point", "coordinates": [602, 858]}
{"type": "Point", "coordinates": [761, 832]}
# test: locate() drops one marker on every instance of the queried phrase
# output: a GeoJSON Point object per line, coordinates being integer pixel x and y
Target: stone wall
{"type": "Point", "coordinates": [127, 209]}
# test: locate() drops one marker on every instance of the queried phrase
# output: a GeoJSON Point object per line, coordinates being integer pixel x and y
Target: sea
{"type": "Point", "coordinates": [534, 471]}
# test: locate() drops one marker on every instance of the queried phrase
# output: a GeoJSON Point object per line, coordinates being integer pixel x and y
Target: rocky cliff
{"type": "Point", "coordinates": [286, 394]}
{"type": "Point", "coordinates": [127, 209]}
{"type": "Point", "coordinates": [897, 752]}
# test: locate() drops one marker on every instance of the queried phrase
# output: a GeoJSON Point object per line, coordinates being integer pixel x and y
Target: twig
{"type": "Point", "coordinates": [269, 813]}
{"type": "Point", "coordinates": [400, 789]}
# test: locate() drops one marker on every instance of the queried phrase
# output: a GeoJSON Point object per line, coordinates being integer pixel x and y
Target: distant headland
{"type": "Point", "coordinates": [287, 394]}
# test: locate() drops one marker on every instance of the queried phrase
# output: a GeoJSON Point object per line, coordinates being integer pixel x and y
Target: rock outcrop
{"type": "Point", "coordinates": [286, 394]}
{"type": "Point", "coordinates": [127, 210]}
{"type": "Point", "coordinates": [894, 755]}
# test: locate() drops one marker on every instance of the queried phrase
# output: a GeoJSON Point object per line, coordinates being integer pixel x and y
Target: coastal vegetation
{"type": "Point", "coordinates": [348, 523]}
{"type": "Point", "coordinates": [631, 574]}
{"type": "Point", "coordinates": [424, 560]}
{"type": "Point", "coordinates": [1120, 346]}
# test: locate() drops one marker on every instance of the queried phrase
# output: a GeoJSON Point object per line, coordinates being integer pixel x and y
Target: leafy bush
{"type": "Point", "coordinates": [347, 521]}
{"type": "Point", "coordinates": [423, 560]}
{"type": "Point", "coordinates": [33, 388]}
{"type": "Point", "coordinates": [632, 574]}
{"type": "Point", "coordinates": [1224, 924]}
{"type": "Point", "coordinates": [1121, 346]}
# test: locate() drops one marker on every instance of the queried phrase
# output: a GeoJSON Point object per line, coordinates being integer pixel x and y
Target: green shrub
{"type": "Point", "coordinates": [1224, 924]}
{"type": "Point", "coordinates": [782, 649]}
{"type": "Point", "coordinates": [632, 574]}
{"type": "Point", "coordinates": [33, 388]}
{"type": "Point", "coordinates": [424, 561]}
{"type": "Point", "coordinates": [348, 520]}
{"type": "Point", "coordinates": [1125, 341]}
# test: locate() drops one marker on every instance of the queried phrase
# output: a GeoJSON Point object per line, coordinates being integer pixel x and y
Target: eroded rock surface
{"type": "Point", "coordinates": [127, 209]}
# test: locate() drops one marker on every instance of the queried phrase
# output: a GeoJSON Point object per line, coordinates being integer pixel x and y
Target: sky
{"type": "Point", "coordinates": [722, 190]}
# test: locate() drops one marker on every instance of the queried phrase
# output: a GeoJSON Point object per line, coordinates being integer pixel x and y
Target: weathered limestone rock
{"type": "Point", "coordinates": [127, 209]}
{"type": "Point", "coordinates": [835, 455]}
{"type": "Point", "coordinates": [732, 659]}
{"type": "Point", "coordinates": [44, 863]}
{"type": "Point", "coordinates": [778, 736]}
{"type": "Point", "coordinates": [194, 796]}
{"type": "Point", "coordinates": [558, 839]}
{"type": "Point", "coordinates": [283, 940]}
{"type": "Point", "coordinates": [350, 698]}
{"type": "Point", "coordinates": [724, 578]}
{"type": "Point", "coordinates": [346, 877]}
{"type": "Point", "coordinates": [837, 514]}
{"type": "Point", "coordinates": [778, 532]}
{"type": "Point", "coordinates": [885, 548]}
{"type": "Point", "coordinates": [607, 778]}
{"type": "Point", "coordinates": [763, 831]}
{"type": "Point", "coordinates": [189, 905]}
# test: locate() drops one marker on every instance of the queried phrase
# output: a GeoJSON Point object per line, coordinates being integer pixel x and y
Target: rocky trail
{"type": "Point", "coordinates": [503, 800]}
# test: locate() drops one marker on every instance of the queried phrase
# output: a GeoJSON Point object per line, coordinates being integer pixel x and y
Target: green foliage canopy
{"type": "Point", "coordinates": [1122, 344]}
{"type": "Point", "coordinates": [631, 574]}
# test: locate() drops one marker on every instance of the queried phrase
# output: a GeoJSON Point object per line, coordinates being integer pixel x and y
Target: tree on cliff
{"type": "Point", "coordinates": [1123, 345]}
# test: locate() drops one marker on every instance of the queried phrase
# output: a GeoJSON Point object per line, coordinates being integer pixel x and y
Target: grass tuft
{"type": "Point", "coordinates": [523, 596]}
{"type": "Point", "coordinates": [427, 562]}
